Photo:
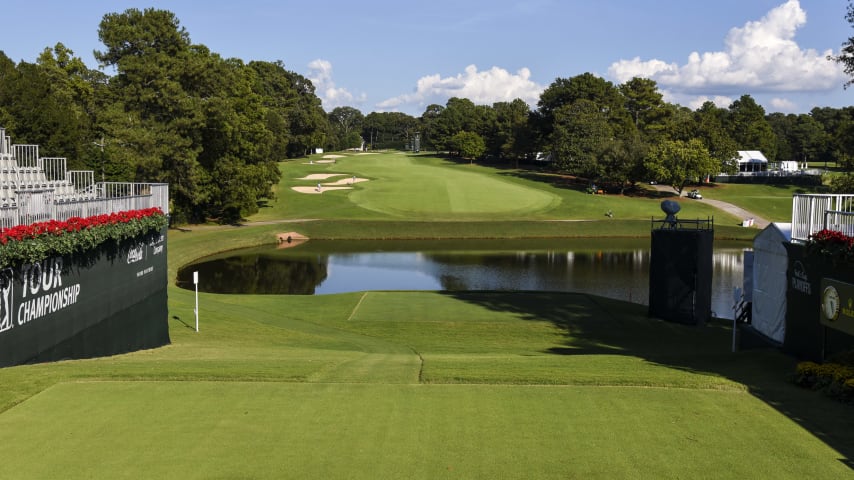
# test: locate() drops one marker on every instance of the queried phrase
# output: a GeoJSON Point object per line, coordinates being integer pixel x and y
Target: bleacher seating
{"type": "Point", "coordinates": [22, 170]}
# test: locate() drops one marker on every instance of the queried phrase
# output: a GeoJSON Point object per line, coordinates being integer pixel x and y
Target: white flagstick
{"type": "Point", "coordinates": [196, 311]}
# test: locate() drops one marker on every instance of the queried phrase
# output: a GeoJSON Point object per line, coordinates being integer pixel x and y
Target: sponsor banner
{"type": "Point", "coordinates": [837, 305]}
{"type": "Point", "coordinates": [807, 336]}
{"type": "Point", "coordinates": [799, 280]}
{"type": "Point", "coordinates": [48, 303]}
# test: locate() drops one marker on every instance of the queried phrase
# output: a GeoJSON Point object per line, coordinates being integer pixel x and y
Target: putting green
{"type": "Point", "coordinates": [410, 187]}
{"type": "Point", "coordinates": [186, 430]}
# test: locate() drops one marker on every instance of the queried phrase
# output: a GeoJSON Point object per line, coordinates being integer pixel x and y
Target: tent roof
{"type": "Point", "coordinates": [774, 234]}
{"type": "Point", "coordinates": [751, 156]}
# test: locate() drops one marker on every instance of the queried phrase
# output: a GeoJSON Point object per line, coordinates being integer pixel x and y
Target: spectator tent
{"type": "Point", "coordinates": [770, 263]}
{"type": "Point", "coordinates": [751, 161]}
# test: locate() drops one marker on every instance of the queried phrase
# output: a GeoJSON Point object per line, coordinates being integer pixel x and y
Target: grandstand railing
{"type": "Point", "coordinates": [812, 213]}
{"type": "Point", "coordinates": [40, 205]}
{"type": "Point", "coordinates": [36, 189]}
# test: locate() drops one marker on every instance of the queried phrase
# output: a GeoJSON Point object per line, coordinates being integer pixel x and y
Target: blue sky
{"type": "Point", "coordinates": [383, 55]}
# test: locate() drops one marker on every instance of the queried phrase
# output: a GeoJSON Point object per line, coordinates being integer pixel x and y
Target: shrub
{"type": "Point", "coordinates": [836, 246]}
{"type": "Point", "coordinates": [834, 379]}
{"type": "Point", "coordinates": [35, 242]}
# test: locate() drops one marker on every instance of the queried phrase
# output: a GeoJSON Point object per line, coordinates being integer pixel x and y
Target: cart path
{"type": "Point", "coordinates": [734, 210]}
{"type": "Point", "coordinates": [739, 212]}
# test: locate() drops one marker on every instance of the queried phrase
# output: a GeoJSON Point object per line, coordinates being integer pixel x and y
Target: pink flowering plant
{"type": "Point", "coordinates": [836, 246]}
{"type": "Point", "coordinates": [37, 241]}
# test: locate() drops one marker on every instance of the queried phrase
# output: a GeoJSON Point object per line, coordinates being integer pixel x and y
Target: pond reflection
{"type": "Point", "coordinates": [618, 269]}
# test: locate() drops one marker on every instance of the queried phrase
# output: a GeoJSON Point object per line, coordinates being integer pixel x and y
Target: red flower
{"type": "Point", "coordinates": [73, 224]}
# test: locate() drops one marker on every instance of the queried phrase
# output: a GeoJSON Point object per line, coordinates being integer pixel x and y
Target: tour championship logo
{"type": "Point", "coordinates": [42, 293]}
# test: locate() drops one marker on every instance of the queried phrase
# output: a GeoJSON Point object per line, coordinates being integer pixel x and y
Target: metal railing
{"type": "Point", "coordinates": [36, 189]}
{"type": "Point", "coordinates": [677, 224]}
{"type": "Point", "coordinates": [109, 197]}
{"type": "Point", "coordinates": [812, 213]}
{"type": "Point", "coordinates": [839, 221]}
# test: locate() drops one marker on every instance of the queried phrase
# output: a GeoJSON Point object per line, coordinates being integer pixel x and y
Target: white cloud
{"type": "Point", "coordinates": [720, 101]}
{"type": "Point", "coordinates": [484, 87]}
{"type": "Point", "coordinates": [784, 105]}
{"type": "Point", "coordinates": [760, 57]}
{"type": "Point", "coordinates": [320, 74]}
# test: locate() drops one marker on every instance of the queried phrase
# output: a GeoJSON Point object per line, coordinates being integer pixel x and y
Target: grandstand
{"type": "Point", "coordinates": [107, 299]}
{"type": "Point", "coordinates": [34, 188]}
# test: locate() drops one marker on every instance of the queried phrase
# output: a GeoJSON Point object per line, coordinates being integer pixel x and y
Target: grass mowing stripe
{"type": "Point", "coordinates": [356, 308]}
{"type": "Point", "coordinates": [262, 430]}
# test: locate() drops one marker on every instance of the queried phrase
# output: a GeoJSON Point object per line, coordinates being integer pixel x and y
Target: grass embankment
{"type": "Point", "coordinates": [417, 385]}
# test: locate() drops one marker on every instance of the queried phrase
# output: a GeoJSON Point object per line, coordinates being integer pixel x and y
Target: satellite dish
{"type": "Point", "coordinates": [670, 207]}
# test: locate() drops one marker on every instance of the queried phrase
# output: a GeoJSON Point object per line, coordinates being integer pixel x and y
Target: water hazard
{"type": "Point", "coordinates": [610, 268]}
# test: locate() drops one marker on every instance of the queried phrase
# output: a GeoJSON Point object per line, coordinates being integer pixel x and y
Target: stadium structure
{"type": "Point", "coordinates": [110, 298]}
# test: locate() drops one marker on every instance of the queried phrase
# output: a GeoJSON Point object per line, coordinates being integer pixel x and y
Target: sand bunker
{"type": "Point", "coordinates": [333, 156]}
{"type": "Point", "coordinates": [290, 239]}
{"type": "Point", "coordinates": [346, 181]}
{"type": "Point", "coordinates": [321, 176]}
{"type": "Point", "coordinates": [316, 191]}
{"type": "Point", "coordinates": [340, 184]}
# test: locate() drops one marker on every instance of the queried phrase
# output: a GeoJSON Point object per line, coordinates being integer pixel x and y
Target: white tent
{"type": "Point", "coordinates": [751, 161]}
{"type": "Point", "coordinates": [770, 263]}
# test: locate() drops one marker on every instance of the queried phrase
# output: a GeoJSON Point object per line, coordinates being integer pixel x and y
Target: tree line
{"type": "Point", "coordinates": [620, 134]}
{"type": "Point", "coordinates": [215, 128]}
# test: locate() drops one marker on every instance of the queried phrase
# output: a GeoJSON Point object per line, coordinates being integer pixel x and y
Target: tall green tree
{"type": "Point", "coordinates": [678, 162]}
{"type": "Point", "coordinates": [468, 144]}
{"type": "Point", "coordinates": [149, 51]}
{"type": "Point", "coordinates": [389, 129]}
{"type": "Point", "coordinates": [580, 134]}
{"type": "Point", "coordinates": [708, 123]}
{"type": "Point", "coordinates": [646, 106]}
{"type": "Point", "coordinates": [565, 91]}
{"type": "Point", "coordinates": [181, 114]}
{"type": "Point", "coordinates": [459, 114]}
{"type": "Point", "coordinates": [346, 123]}
{"type": "Point", "coordinates": [846, 53]}
{"type": "Point", "coordinates": [621, 161]}
{"type": "Point", "coordinates": [749, 129]}
{"type": "Point", "coordinates": [511, 135]}
{"type": "Point", "coordinates": [429, 128]}
{"type": "Point", "coordinates": [35, 112]}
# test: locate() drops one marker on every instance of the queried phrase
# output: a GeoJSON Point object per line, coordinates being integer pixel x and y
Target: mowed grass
{"type": "Point", "coordinates": [419, 385]}
{"type": "Point", "coordinates": [422, 188]}
{"type": "Point", "coordinates": [187, 430]}
{"type": "Point", "coordinates": [422, 384]}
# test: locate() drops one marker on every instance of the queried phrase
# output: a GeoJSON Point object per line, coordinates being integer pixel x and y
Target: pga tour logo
{"type": "Point", "coordinates": [6, 282]}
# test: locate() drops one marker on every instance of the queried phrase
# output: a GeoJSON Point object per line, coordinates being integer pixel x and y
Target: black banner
{"type": "Point", "coordinates": [806, 336]}
{"type": "Point", "coordinates": [103, 302]}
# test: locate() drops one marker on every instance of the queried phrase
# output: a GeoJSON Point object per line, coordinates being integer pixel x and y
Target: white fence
{"type": "Point", "coordinates": [106, 197]}
{"type": "Point", "coordinates": [813, 213]}
{"type": "Point", "coordinates": [37, 189]}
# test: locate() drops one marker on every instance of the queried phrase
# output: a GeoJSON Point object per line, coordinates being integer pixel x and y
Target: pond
{"type": "Point", "coordinates": [610, 268]}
